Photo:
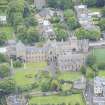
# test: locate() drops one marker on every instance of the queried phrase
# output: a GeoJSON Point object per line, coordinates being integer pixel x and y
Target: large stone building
{"type": "Point", "coordinates": [39, 4]}
{"type": "Point", "coordinates": [65, 55]}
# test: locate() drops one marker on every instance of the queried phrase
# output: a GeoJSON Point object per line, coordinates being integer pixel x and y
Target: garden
{"type": "Point", "coordinates": [25, 76]}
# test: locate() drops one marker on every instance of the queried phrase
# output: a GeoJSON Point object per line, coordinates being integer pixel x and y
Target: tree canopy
{"type": "Point", "coordinates": [81, 33]}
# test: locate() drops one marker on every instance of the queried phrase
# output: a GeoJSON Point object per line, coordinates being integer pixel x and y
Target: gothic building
{"type": "Point", "coordinates": [65, 55]}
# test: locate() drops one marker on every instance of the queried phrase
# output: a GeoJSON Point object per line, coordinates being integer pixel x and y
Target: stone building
{"type": "Point", "coordinates": [70, 61]}
{"type": "Point", "coordinates": [39, 4]}
{"type": "Point", "coordinates": [64, 55]}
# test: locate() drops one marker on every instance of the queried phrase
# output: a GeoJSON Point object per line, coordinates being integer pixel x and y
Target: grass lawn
{"type": "Point", "coordinates": [101, 73]}
{"type": "Point", "coordinates": [70, 76]}
{"type": "Point", "coordinates": [100, 54]}
{"type": "Point", "coordinates": [8, 31]}
{"type": "Point", "coordinates": [73, 99]}
{"type": "Point", "coordinates": [95, 9]}
{"type": "Point", "coordinates": [24, 77]}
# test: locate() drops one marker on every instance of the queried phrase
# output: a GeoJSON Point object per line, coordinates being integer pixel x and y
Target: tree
{"type": "Point", "coordinates": [71, 19]}
{"type": "Point", "coordinates": [90, 3]}
{"type": "Point", "coordinates": [62, 4]}
{"type": "Point", "coordinates": [102, 24]}
{"type": "Point", "coordinates": [68, 13]}
{"type": "Point", "coordinates": [45, 85]}
{"type": "Point", "coordinates": [3, 58]}
{"type": "Point", "coordinates": [83, 70]}
{"type": "Point", "coordinates": [16, 11]}
{"type": "Point", "coordinates": [3, 38]}
{"type": "Point", "coordinates": [90, 73]}
{"type": "Point", "coordinates": [4, 70]}
{"type": "Point", "coordinates": [55, 19]}
{"type": "Point", "coordinates": [100, 3]}
{"type": "Point", "coordinates": [72, 23]}
{"type": "Point", "coordinates": [55, 85]}
{"type": "Point", "coordinates": [30, 21]}
{"type": "Point", "coordinates": [61, 34]}
{"type": "Point", "coordinates": [77, 103]}
{"type": "Point", "coordinates": [17, 64]}
{"type": "Point", "coordinates": [103, 11]}
{"type": "Point", "coordinates": [7, 86]}
{"type": "Point", "coordinates": [28, 35]}
{"type": "Point", "coordinates": [101, 66]}
{"type": "Point", "coordinates": [81, 33]}
{"type": "Point", "coordinates": [91, 60]}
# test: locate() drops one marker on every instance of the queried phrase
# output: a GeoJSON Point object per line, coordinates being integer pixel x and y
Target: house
{"type": "Point", "coordinates": [46, 30]}
{"type": "Point", "coordinates": [3, 50]}
{"type": "Point", "coordinates": [99, 91]}
{"type": "Point", "coordinates": [3, 19]}
{"type": "Point", "coordinates": [99, 86]}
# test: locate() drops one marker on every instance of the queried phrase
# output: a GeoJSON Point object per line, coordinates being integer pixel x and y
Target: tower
{"type": "Point", "coordinates": [39, 4]}
{"type": "Point", "coordinates": [21, 50]}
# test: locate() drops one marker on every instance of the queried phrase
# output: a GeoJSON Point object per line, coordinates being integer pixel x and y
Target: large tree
{"type": "Point", "coordinates": [62, 4]}
{"type": "Point", "coordinates": [7, 86]}
{"type": "Point", "coordinates": [102, 24]}
{"type": "Point", "coordinates": [28, 35]}
{"type": "Point", "coordinates": [81, 33]}
{"type": "Point", "coordinates": [16, 11]}
{"type": "Point", "coordinates": [3, 38]}
{"type": "Point", "coordinates": [71, 19]}
{"type": "Point", "coordinates": [4, 70]}
{"type": "Point", "coordinates": [61, 34]}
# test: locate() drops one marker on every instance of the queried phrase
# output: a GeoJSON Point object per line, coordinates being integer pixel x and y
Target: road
{"type": "Point", "coordinates": [97, 43]}
{"type": "Point", "coordinates": [89, 92]}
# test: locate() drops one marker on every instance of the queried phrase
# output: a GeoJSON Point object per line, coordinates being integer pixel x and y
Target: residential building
{"type": "Point", "coordinates": [85, 17]}
{"type": "Point", "coordinates": [3, 19]}
{"type": "Point", "coordinates": [99, 91]}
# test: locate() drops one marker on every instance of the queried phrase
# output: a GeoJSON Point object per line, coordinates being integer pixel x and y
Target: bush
{"type": "Point", "coordinates": [17, 64]}
{"type": "Point", "coordinates": [91, 60]}
{"type": "Point", "coordinates": [4, 70]}
{"type": "Point", "coordinates": [3, 58]}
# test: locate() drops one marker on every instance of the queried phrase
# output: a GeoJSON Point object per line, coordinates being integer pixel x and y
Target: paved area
{"type": "Point", "coordinates": [89, 93]}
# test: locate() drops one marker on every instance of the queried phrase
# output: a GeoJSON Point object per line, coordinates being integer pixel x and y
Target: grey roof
{"type": "Point", "coordinates": [35, 49]}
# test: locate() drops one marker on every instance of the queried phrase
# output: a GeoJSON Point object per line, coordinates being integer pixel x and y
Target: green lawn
{"type": "Point", "coordinates": [73, 99]}
{"type": "Point", "coordinates": [101, 73]}
{"type": "Point", "coordinates": [70, 76]}
{"type": "Point", "coordinates": [100, 54]}
{"type": "Point", "coordinates": [24, 77]}
{"type": "Point", "coordinates": [95, 9]}
{"type": "Point", "coordinates": [8, 31]}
